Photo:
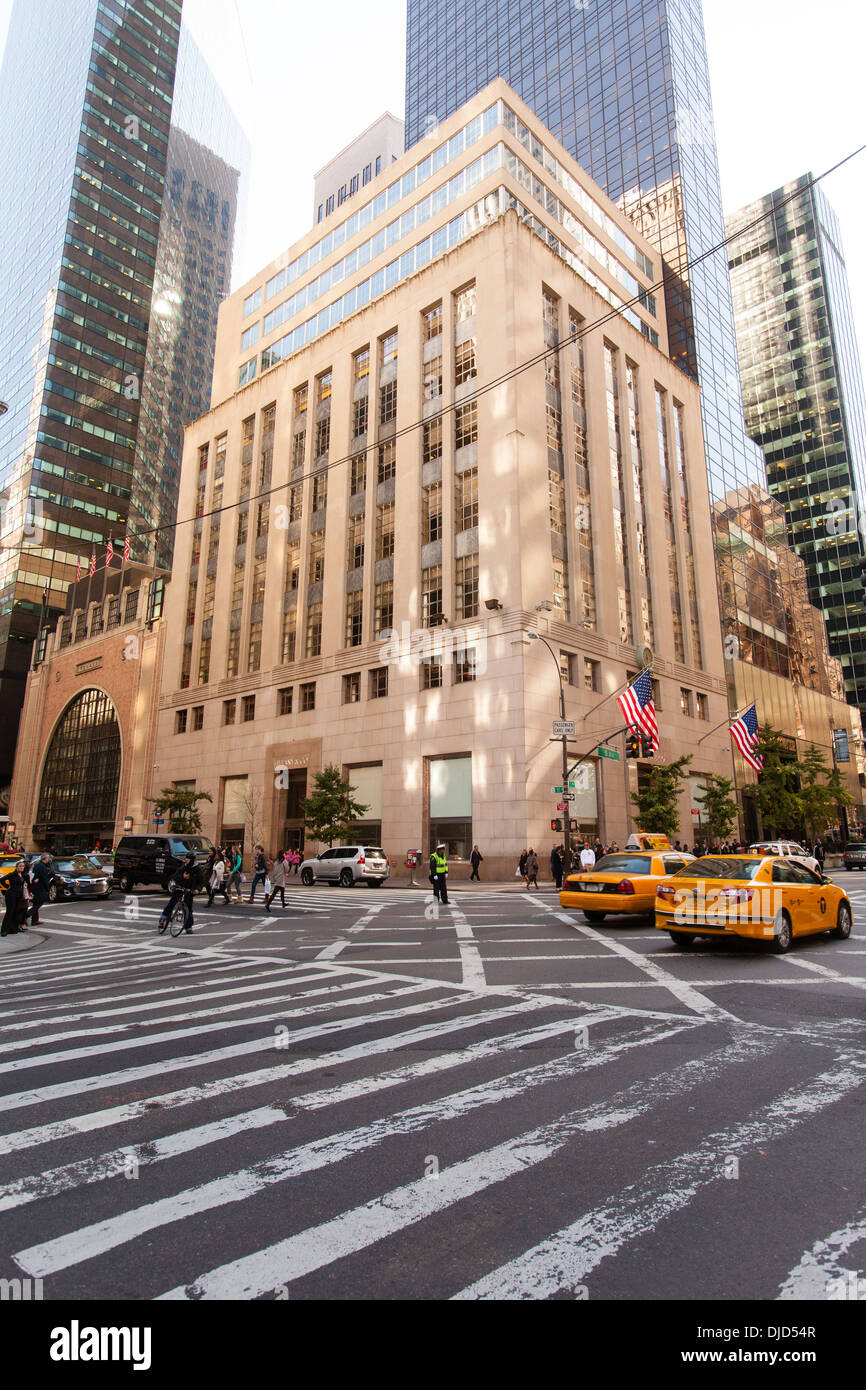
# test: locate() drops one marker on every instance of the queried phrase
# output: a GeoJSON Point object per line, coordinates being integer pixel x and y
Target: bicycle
{"type": "Point", "coordinates": [176, 918]}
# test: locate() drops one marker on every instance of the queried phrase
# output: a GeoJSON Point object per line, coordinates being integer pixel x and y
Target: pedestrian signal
{"type": "Point", "coordinates": [556, 825]}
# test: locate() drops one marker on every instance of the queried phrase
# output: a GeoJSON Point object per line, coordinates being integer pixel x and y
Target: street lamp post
{"type": "Point", "coordinates": [566, 821]}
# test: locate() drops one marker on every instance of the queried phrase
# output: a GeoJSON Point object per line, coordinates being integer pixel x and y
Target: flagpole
{"type": "Point", "coordinates": [729, 720]}
{"type": "Point", "coordinates": [613, 694]}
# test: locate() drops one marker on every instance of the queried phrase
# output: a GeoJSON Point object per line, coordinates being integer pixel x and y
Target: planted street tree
{"type": "Point", "coordinates": [332, 810]}
{"type": "Point", "coordinates": [180, 805]}
{"type": "Point", "coordinates": [776, 794]}
{"type": "Point", "coordinates": [657, 801]}
{"type": "Point", "coordinates": [719, 810]}
{"type": "Point", "coordinates": [822, 794]}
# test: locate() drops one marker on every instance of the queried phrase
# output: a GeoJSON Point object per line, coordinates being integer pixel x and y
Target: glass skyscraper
{"type": "Point", "coordinates": [804, 401]}
{"type": "Point", "coordinates": [624, 85]}
{"type": "Point", "coordinates": [121, 167]}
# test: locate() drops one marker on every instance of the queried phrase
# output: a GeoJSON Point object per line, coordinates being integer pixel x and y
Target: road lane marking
{"type": "Point", "coordinates": [563, 1261]}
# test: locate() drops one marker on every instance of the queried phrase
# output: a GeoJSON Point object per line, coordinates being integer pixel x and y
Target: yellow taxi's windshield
{"type": "Point", "coordinates": [623, 864]}
{"type": "Point", "coordinates": [719, 868]}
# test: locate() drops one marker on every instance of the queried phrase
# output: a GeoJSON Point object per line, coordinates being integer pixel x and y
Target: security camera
{"type": "Point", "coordinates": [493, 605]}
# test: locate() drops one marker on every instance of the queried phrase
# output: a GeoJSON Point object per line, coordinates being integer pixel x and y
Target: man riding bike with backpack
{"type": "Point", "coordinates": [186, 883]}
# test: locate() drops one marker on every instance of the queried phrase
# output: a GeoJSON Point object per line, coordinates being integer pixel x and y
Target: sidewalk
{"type": "Point", "coordinates": [21, 941]}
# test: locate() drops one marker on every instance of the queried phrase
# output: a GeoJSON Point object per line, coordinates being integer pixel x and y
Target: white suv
{"type": "Point", "coordinates": [787, 849]}
{"type": "Point", "coordinates": [347, 865]}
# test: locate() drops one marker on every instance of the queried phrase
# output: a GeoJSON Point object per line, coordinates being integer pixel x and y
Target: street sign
{"type": "Point", "coordinates": [562, 805]}
{"type": "Point", "coordinates": [558, 790]}
{"type": "Point", "coordinates": [563, 727]}
{"type": "Point", "coordinates": [568, 796]}
{"type": "Point", "coordinates": [609, 753]}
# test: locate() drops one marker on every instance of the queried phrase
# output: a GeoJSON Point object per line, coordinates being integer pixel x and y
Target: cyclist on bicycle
{"type": "Point", "coordinates": [185, 884]}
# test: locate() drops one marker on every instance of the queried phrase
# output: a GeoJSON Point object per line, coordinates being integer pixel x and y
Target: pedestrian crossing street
{"type": "Point", "coordinates": [182, 1125]}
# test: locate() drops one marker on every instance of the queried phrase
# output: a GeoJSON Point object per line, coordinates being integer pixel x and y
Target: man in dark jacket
{"type": "Point", "coordinates": [556, 866]}
{"type": "Point", "coordinates": [41, 878]}
{"type": "Point", "coordinates": [260, 871]}
{"type": "Point", "coordinates": [475, 858]}
{"type": "Point", "coordinates": [186, 883]}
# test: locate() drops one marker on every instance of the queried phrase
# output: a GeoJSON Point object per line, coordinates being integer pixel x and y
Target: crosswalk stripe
{"type": "Point", "coordinates": [565, 1259]}
{"type": "Point", "coordinates": [178, 997]}
{"type": "Point", "coordinates": [209, 972]}
{"type": "Point", "coordinates": [91, 1241]}
{"type": "Point", "coordinates": [820, 1273]}
{"type": "Point", "coordinates": [111, 1165]}
{"type": "Point", "coordinates": [358, 1229]}
{"type": "Point", "coordinates": [81, 1085]}
{"type": "Point", "coordinates": [277, 1013]}
{"type": "Point", "coordinates": [100, 1119]}
{"type": "Point", "coordinates": [135, 1040]}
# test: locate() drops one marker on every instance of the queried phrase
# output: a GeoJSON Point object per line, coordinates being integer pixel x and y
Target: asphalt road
{"type": "Point", "coordinates": [356, 1099]}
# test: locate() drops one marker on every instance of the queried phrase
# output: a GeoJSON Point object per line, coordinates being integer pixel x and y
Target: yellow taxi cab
{"type": "Point", "coordinates": [760, 897]}
{"type": "Point", "coordinates": [621, 883]}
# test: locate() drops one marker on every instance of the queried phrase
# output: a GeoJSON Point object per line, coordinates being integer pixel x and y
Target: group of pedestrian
{"type": "Point", "coordinates": [27, 889]}
{"type": "Point", "coordinates": [223, 874]}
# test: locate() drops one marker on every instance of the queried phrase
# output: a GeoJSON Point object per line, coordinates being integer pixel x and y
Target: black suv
{"type": "Point", "coordinates": [855, 855]}
{"type": "Point", "coordinates": [155, 858]}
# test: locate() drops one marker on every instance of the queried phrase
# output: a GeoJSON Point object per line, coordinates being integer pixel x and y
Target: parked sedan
{"type": "Point", "coordinates": [79, 877]}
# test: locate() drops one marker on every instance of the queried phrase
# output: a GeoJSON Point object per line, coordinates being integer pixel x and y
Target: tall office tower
{"type": "Point", "coordinates": [116, 231]}
{"type": "Point", "coordinates": [624, 85]}
{"type": "Point", "coordinates": [803, 394]}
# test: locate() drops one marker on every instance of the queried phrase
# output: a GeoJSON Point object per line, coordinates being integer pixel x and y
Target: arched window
{"type": "Point", "coordinates": [82, 770]}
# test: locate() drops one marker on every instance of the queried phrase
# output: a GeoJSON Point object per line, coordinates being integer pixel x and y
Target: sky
{"type": "Point", "coordinates": [787, 79]}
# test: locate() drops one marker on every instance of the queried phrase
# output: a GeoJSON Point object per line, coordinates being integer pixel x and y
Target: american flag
{"type": "Point", "coordinates": [747, 736]}
{"type": "Point", "coordinates": [637, 705]}
{"type": "Point", "coordinates": [109, 552]}
{"type": "Point", "coordinates": [126, 548]}
{"type": "Point", "coordinates": [92, 563]}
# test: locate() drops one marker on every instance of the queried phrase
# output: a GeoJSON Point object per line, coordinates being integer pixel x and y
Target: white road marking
{"type": "Point", "coordinates": [81, 1085]}
{"type": "Point", "coordinates": [294, 1257]}
{"type": "Point", "coordinates": [856, 981]}
{"type": "Point", "coordinates": [91, 1241]}
{"type": "Point", "coordinates": [820, 1274]}
{"type": "Point", "coordinates": [207, 1090]}
{"type": "Point", "coordinates": [110, 1165]}
{"type": "Point", "coordinates": [564, 1260]}
{"type": "Point", "coordinates": [678, 988]}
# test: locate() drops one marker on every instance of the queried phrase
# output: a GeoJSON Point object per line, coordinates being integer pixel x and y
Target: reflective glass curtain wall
{"type": "Point", "coordinates": [624, 85]}
{"type": "Point", "coordinates": [109, 291]}
{"type": "Point", "coordinates": [804, 401]}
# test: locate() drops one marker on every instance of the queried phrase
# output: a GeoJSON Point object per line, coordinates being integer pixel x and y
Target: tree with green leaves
{"type": "Point", "coordinates": [776, 794]}
{"type": "Point", "coordinates": [180, 806]}
{"type": "Point", "coordinates": [719, 810]}
{"type": "Point", "coordinates": [332, 810]}
{"type": "Point", "coordinates": [657, 800]}
{"type": "Point", "coordinates": [822, 793]}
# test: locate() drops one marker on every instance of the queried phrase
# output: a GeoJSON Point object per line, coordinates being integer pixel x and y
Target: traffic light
{"type": "Point", "coordinates": [646, 746]}
{"type": "Point", "coordinates": [572, 825]}
{"type": "Point", "coordinates": [632, 745]}
{"type": "Point", "coordinates": [556, 825]}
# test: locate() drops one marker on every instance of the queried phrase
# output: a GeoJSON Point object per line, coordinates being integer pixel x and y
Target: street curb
{"type": "Point", "coordinates": [21, 941]}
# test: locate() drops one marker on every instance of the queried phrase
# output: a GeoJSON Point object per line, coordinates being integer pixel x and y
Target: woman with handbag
{"type": "Point", "coordinates": [278, 880]}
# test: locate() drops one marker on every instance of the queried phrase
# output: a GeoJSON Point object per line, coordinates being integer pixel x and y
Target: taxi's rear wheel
{"type": "Point", "coordinates": [783, 934]}
{"type": "Point", "coordinates": [683, 940]}
{"type": "Point", "coordinates": [595, 916]}
{"type": "Point", "coordinates": [842, 929]}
